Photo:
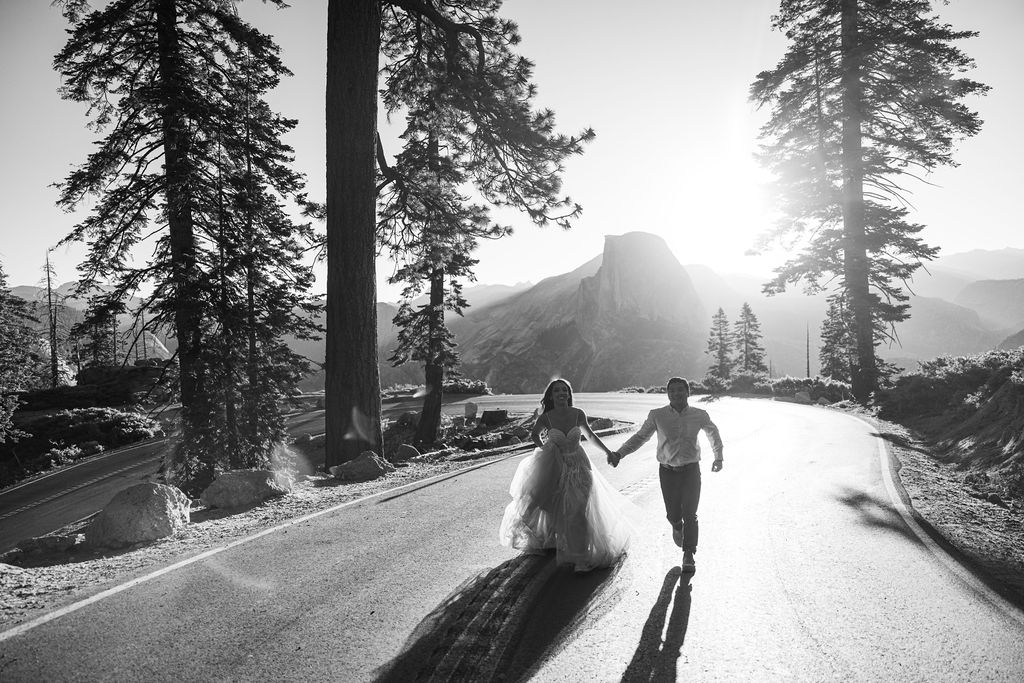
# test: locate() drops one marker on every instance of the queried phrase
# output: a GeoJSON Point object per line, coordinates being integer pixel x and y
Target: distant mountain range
{"type": "Point", "coordinates": [635, 315]}
{"type": "Point", "coordinates": [71, 311]}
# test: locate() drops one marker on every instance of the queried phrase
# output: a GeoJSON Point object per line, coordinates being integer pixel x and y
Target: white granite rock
{"type": "Point", "coordinates": [367, 466]}
{"type": "Point", "coordinates": [145, 512]}
{"type": "Point", "coordinates": [240, 488]}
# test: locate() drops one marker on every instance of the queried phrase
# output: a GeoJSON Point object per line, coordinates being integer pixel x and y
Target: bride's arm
{"type": "Point", "coordinates": [584, 424]}
{"type": "Point", "coordinates": [540, 425]}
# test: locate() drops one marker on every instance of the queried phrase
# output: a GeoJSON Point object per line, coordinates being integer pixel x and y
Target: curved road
{"type": "Point", "coordinates": [807, 571]}
{"type": "Point", "coordinates": [55, 499]}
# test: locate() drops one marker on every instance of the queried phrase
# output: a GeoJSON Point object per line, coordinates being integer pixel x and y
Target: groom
{"type": "Point", "coordinates": [678, 425]}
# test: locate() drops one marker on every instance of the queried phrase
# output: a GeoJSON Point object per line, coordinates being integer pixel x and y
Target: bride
{"type": "Point", "coordinates": [558, 500]}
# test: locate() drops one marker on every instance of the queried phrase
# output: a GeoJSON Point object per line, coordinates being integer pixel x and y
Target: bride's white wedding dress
{"type": "Point", "coordinates": [560, 501]}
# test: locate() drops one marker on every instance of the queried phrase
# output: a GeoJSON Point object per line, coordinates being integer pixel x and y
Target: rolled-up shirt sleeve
{"type": "Point", "coordinates": [714, 437]}
{"type": "Point", "coordinates": [646, 431]}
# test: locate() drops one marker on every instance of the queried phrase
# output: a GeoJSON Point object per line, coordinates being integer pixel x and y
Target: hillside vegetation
{"type": "Point", "coordinates": [971, 409]}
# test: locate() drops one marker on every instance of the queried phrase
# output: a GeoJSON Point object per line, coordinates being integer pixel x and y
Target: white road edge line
{"type": "Point", "coordinates": [74, 607]}
{"type": "Point", "coordinates": [1003, 605]}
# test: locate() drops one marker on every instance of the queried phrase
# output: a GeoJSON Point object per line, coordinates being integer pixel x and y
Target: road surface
{"type": "Point", "coordinates": [55, 499]}
{"type": "Point", "coordinates": [806, 571]}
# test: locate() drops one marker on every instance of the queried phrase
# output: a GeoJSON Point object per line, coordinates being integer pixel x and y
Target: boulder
{"type": "Point", "coordinates": [822, 401]}
{"type": "Point", "coordinates": [404, 452]}
{"type": "Point", "coordinates": [367, 466]}
{"type": "Point", "coordinates": [493, 418]}
{"type": "Point", "coordinates": [470, 410]}
{"type": "Point", "coordinates": [240, 488]}
{"type": "Point", "coordinates": [145, 512]}
{"type": "Point", "coordinates": [458, 421]}
{"type": "Point", "coordinates": [601, 423]}
{"type": "Point", "coordinates": [802, 397]}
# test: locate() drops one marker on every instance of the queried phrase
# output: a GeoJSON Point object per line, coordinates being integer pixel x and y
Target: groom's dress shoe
{"type": "Point", "coordinates": [677, 535]}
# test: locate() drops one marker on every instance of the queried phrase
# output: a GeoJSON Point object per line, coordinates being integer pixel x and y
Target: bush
{"type": "Point", "coordinates": [950, 383]}
{"type": "Point", "coordinates": [750, 383]}
{"type": "Point", "coordinates": [464, 385]}
{"type": "Point", "coordinates": [67, 435]}
{"type": "Point", "coordinates": [711, 384]}
{"type": "Point", "coordinates": [816, 387]}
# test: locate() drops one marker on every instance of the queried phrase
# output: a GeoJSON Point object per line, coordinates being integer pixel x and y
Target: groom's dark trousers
{"type": "Point", "coordinates": [680, 488]}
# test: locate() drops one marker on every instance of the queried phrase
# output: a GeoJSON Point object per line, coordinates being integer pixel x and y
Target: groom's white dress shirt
{"type": "Point", "coordinates": [677, 435]}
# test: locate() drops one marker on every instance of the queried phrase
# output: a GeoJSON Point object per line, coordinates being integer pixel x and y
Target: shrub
{"type": "Point", "coordinates": [711, 384]}
{"type": "Point", "coordinates": [750, 383]}
{"type": "Point", "coordinates": [950, 383]}
{"type": "Point", "coordinates": [464, 385]}
{"type": "Point", "coordinates": [816, 387]}
{"type": "Point", "coordinates": [67, 435]}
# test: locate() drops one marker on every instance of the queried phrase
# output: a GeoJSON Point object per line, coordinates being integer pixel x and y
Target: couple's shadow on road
{"type": "Point", "coordinates": [663, 634]}
{"type": "Point", "coordinates": [504, 624]}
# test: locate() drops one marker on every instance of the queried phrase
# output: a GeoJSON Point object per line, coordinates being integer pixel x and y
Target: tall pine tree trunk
{"type": "Point", "coordinates": [430, 418]}
{"type": "Point", "coordinates": [184, 272]}
{"type": "Point", "coordinates": [51, 319]}
{"type": "Point", "coordinates": [855, 258]}
{"type": "Point", "coordinates": [353, 381]}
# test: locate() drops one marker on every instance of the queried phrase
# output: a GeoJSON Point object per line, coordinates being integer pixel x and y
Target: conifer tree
{"type": "Point", "coordinates": [838, 353]}
{"type": "Point", "coordinates": [868, 95]}
{"type": "Point", "coordinates": [19, 360]}
{"type": "Point", "coordinates": [747, 342]}
{"type": "Point", "coordinates": [353, 47]}
{"type": "Point", "coordinates": [190, 150]}
{"type": "Point", "coordinates": [467, 124]}
{"type": "Point", "coordinates": [720, 346]}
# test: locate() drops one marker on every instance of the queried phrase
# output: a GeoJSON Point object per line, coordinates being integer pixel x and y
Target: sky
{"type": "Point", "coordinates": [664, 84]}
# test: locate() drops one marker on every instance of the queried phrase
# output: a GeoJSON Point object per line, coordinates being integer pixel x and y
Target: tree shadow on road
{"type": "Point", "coordinates": [876, 512]}
{"type": "Point", "coordinates": [661, 639]}
{"type": "Point", "coordinates": [903, 441]}
{"type": "Point", "coordinates": [500, 625]}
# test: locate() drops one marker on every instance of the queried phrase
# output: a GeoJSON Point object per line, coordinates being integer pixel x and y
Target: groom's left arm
{"type": "Point", "coordinates": [711, 429]}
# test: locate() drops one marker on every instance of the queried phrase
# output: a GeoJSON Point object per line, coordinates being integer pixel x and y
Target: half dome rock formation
{"type": "Point", "coordinates": [631, 316]}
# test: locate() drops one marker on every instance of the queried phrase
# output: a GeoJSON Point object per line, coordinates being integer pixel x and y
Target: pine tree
{"type": "Point", "coordinates": [838, 353]}
{"type": "Point", "coordinates": [354, 42]}
{"type": "Point", "coordinates": [190, 161]}
{"type": "Point", "coordinates": [837, 341]}
{"type": "Point", "coordinates": [747, 342]}
{"type": "Point", "coordinates": [19, 361]}
{"type": "Point", "coordinates": [720, 347]}
{"type": "Point", "coordinates": [867, 95]}
{"type": "Point", "coordinates": [467, 124]}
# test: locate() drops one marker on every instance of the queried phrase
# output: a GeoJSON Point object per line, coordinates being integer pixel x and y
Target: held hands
{"type": "Point", "coordinates": [716, 466]}
{"type": "Point", "coordinates": [614, 458]}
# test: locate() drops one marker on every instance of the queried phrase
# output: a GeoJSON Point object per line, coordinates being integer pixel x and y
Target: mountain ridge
{"type": "Point", "coordinates": [576, 323]}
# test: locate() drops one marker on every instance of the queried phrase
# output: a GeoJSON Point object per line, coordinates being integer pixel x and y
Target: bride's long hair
{"type": "Point", "coordinates": [548, 402]}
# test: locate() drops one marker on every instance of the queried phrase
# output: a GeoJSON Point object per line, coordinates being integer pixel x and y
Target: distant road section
{"type": "Point", "coordinates": [53, 500]}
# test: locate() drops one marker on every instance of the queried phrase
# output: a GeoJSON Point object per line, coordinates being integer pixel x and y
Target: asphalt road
{"type": "Point", "coordinates": [58, 498]}
{"type": "Point", "coordinates": [55, 499]}
{"type": "Point", "coordinates": [807, 571]}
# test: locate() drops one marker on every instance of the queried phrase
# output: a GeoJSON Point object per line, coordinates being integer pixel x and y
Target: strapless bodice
{"type": "Point", "coordinates": [566, 441]}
